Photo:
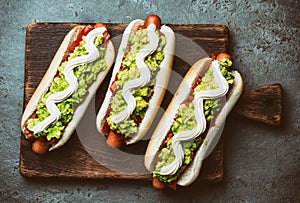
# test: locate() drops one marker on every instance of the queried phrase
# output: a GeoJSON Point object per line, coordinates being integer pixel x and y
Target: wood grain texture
{"type": "Point", "coordinates": [77, 158]}
{"type": "Point", "coordinates": [262, 104]}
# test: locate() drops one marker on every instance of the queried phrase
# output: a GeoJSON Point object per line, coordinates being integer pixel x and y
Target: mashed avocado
{"type": "Point", "coordinates": [208, 82]}
{"type": "Point", "coordinates": [137, 41]}
{"type": "Point", "coordinates": [86, 74]}
{"type": "Point", "coordinates": [186, 120]}
{"type": "Point", "coordinates": [166, 156]}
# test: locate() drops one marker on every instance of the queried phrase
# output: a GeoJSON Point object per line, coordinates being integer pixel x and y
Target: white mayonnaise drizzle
{"type": "Point", "coordinates": [190, 135]}
{"type": "Point", "coordinates": [144, 78]}
{"type": "Point", "coordinates": [51, 101]}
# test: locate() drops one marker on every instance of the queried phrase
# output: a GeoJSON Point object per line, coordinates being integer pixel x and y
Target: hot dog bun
{"type": "Point", "coordinates": [192, 171]}
{"type": "Point", "coordinates": [162, 79]}
{"type": "Point", "coordinates": [49, 76]}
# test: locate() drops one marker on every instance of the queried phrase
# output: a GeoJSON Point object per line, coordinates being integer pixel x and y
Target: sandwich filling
{"type": "Point", "coordinates": [192, 121]}
{"type": "Point", "coordinates": [134, 84]}
{"type": "Point", "coordinates": [56, 106]}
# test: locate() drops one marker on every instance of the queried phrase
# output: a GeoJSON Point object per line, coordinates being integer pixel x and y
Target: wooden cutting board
{"type": "Point", "coordinates": [77, 158]}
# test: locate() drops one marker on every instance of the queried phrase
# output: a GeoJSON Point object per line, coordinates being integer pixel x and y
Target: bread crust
{"type": "Point", "coordinates": [49, 76]}
{"type": "Point", "coordinates": [162, 80]}
{"type": "Point", "coordinates": [192, 171]}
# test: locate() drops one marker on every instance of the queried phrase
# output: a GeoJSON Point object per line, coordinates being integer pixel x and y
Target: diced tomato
{"type": "Point", "coordinates": [87, 29]}
{"type": "Point", "coordinates": [168, 137]}
{"type": "Point", "coordinates": [213, 56]}
{"type": "Point", "coordinates": [197, 82]}
{"type": "Point", "coordinates": [82, 33]}
{"type": "Point", "coordinates": [113, 87]}
{"type": "Point", "coordinates": [137, 119]}
{"type": "Point", "coordinates": [105, 127]}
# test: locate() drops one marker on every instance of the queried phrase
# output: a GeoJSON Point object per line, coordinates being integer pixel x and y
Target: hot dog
{"type": "Point", "coordinates": [140, 77]}
{"type": "Point", "coordinates": [78, 68]}
{"type": "Point", "coordinates": [192, 122]}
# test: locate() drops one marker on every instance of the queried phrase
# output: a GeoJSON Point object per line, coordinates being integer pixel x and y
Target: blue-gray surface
{"type": "Point", "coordinates": [262, 163]}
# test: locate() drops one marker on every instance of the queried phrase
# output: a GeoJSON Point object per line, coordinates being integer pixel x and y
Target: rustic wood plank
{"type": "Point", "coordinates": [262, 104]}
{"type": "Point", "coordinates": [73, 160]}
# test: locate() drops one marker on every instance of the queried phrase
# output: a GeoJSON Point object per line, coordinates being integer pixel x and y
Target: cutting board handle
{"type": "Point", "coordinates": [262, 104]}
